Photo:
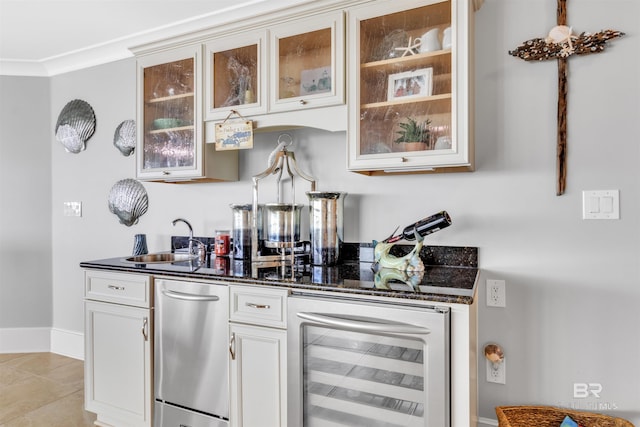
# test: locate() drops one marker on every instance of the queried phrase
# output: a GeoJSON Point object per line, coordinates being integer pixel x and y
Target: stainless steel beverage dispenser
{"type": "Point", "coordinates": [241, 229]}
{"type": "Point", "coordinates": [283, 218]}
{"type": "Point", "coordinates": [326, 226]}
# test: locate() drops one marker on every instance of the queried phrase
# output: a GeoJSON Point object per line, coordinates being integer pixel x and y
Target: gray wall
{"type": "Point", "coordinates": [572, 285]}
{"type": "Point", "coordinates": [25, 203]}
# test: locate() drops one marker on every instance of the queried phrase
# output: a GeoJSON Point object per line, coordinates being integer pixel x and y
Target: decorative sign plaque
{"type": "Point", "coordinates": [234, 135]}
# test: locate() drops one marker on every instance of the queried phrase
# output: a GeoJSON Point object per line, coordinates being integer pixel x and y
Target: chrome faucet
{"type": "Point", "coordinates": [190, 233]}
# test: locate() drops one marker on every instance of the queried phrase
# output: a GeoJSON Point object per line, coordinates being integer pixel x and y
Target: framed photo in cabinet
{"type": "Point", "coordinates": [410, 84]}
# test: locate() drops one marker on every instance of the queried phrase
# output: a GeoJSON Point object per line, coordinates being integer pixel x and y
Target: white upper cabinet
{"type": "Point", "coordinates": [169, 120]}
{"type": "Point", "coordinates": [236, 75]}
{"type": "Point", "coordinates": [307, 63]}
{"type": "Point", "coordinates": [409, 100]}
{"type": "Point", "coordinates": [405, 67]}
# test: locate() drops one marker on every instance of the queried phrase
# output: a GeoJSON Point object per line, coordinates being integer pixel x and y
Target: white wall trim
{"type": "Point", "coordinates": [67, 343]}
{"type": "Point", "coordinates": [486, 422]}
{"type": "Point", "coordinates": [41, 340]}
{"type": "Point", "coordinates": [117, 49]}
{"type": "Point", "coordinates": [25, 340]}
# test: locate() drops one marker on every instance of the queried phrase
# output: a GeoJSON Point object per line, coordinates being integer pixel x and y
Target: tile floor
{"type": "Point", "coordinates": [42, 390]}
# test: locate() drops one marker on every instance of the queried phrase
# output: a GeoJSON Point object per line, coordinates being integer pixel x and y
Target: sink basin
{"type": "Point", "coordinates": [161, 257]}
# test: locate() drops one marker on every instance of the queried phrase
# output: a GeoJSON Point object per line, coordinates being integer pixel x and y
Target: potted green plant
{"type": "Point", "coordinates": [415, 136]}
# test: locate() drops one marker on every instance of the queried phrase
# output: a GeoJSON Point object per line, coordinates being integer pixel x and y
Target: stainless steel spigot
{"type": "Point", "coordinates": [190, 232]}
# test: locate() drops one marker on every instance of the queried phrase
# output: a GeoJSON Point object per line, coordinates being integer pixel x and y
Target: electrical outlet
{"type": "Point", "coordinates": [497, 372]}
{"type": "Point", "coordinates": [496, 293]}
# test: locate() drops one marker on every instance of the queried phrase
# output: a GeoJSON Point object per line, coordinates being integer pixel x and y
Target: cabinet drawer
{"type": "Point", "coordinates": [259, 306]}
{"type": "Point", "coordinates": [121, 288]}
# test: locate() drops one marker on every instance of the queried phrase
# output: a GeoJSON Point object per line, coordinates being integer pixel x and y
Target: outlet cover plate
{"type": "Point", "coordinates": [496, 293]}
{"type": "Point", "coordinates": [497, 372]}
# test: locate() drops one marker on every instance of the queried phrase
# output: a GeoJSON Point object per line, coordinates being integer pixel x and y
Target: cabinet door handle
{"type": "Point", "coordinates": [232, 346]}
{"type": "Point", "coordinates": [145, 326]}
{"type": "Point", "coordinates": [364, 325]}
{"type": "Point", "coordinates": [190, 297]}
{"type": "Point", "coordinates": [254, 305]}
{"type": "Point", "coordinates": [116, 287]}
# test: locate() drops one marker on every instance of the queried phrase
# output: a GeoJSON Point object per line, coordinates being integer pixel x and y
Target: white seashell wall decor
{"type": "Point", "coordinates": [128, 200]}
{"type": "Point", "coordinates": [124, 138]}
{"type": "Point", "coordinates": [76, 124]}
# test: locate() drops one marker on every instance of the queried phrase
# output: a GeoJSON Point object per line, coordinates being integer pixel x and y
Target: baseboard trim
{"type": "Point", "coordinates": [67, 343]}
{"type": "Point", "coordinates": [42, 340]}
{"type": "Point", "coordinates": [486, 422]}
{"type": "Point", "coordinates": [25, 340]}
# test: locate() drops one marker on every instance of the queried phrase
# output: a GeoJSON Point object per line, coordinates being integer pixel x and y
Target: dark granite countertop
{"type": "Point", "coordinates": [450, 274]}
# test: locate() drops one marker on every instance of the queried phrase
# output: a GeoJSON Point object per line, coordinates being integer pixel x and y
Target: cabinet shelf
{"type": "Point", "coordinates": [170, 98]}
{"type": "Point", "coordinates": [168, 130]}
{"type": "Point", "coordinates": [420, 59]}
{"type": "Point", "coordinates": [412, 101]}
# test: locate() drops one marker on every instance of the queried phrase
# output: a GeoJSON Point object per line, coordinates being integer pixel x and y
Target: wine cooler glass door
{"type": "Point", "coordinates": [367, 365]}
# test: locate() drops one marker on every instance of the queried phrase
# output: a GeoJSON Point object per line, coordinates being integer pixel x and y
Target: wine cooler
{"type": "Point", "coordinates": [367, 364]}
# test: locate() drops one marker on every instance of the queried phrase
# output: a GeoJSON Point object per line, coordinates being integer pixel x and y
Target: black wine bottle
{"type": "Point", "coordinates": [424, 227]}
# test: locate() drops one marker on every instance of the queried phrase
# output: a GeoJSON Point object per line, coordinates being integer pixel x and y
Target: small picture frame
{"type": "Point", "coordinates": [410, 84]}
{"type": "Point", "coordinates": [317, 80]}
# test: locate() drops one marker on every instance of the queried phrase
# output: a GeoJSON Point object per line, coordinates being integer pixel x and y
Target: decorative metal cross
{"type": "Point", "coordinates": [560, 44]}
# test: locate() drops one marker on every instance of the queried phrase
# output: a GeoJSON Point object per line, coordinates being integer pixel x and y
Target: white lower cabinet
{"type": "Point", "coordinates": [258, 357]}
{"type": "Point", "coordinates": [118, 349]}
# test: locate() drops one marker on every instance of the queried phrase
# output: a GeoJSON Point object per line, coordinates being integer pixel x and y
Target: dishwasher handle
{"type": "Point", "coordinates": [363, 325]}
{"type": "Point", "coordinates": [189, 297]}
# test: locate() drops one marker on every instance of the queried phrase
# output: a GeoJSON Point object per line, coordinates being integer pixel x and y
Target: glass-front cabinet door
{"type": "Point", "coordinates": [169, 125]}
{"type": "Point", "coordinates": [236, 75]}
{"type": "Point", "coordinates": [409, 98]}
{"type": "Point", "coordinates": [307, 63]}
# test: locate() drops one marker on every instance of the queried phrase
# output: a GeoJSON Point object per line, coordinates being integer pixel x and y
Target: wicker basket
{"type": "Point", "coordinates": [549, 416]}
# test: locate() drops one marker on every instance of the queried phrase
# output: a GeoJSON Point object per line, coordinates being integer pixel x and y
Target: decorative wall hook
{"type": "Point", "coordinates": [494, 354]}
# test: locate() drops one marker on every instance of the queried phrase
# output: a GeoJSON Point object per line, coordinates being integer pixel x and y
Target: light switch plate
{"type": "Point", "coordinates": [601, 204]}
{"type": "Point", "coordinates": [72, 209]}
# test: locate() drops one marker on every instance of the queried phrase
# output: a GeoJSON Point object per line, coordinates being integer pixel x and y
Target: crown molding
{"type": "Point", "coordinates": [119, 49]}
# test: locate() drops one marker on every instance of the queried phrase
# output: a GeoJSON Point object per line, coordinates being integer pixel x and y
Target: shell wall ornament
{"type": "Point", "coordinates": [562, 43]}
{"type": "Point", "coordinates": [76, 124]}
{"type": "Point", "coordinates": [124, 138]}
{"type": "Point", "coordinates": [128, 200]}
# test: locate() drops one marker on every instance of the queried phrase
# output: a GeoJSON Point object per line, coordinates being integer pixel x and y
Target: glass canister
{"type": "Point", "coordinates": [241, 230]}
{"type": "Point", "coordinates": [281, 220]}
{"type": "Point", "coordinates": [326, 226]}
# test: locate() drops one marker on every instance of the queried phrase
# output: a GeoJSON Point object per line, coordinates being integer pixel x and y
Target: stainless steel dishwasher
{"type": "Point", "coordinates": [191, 370]}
